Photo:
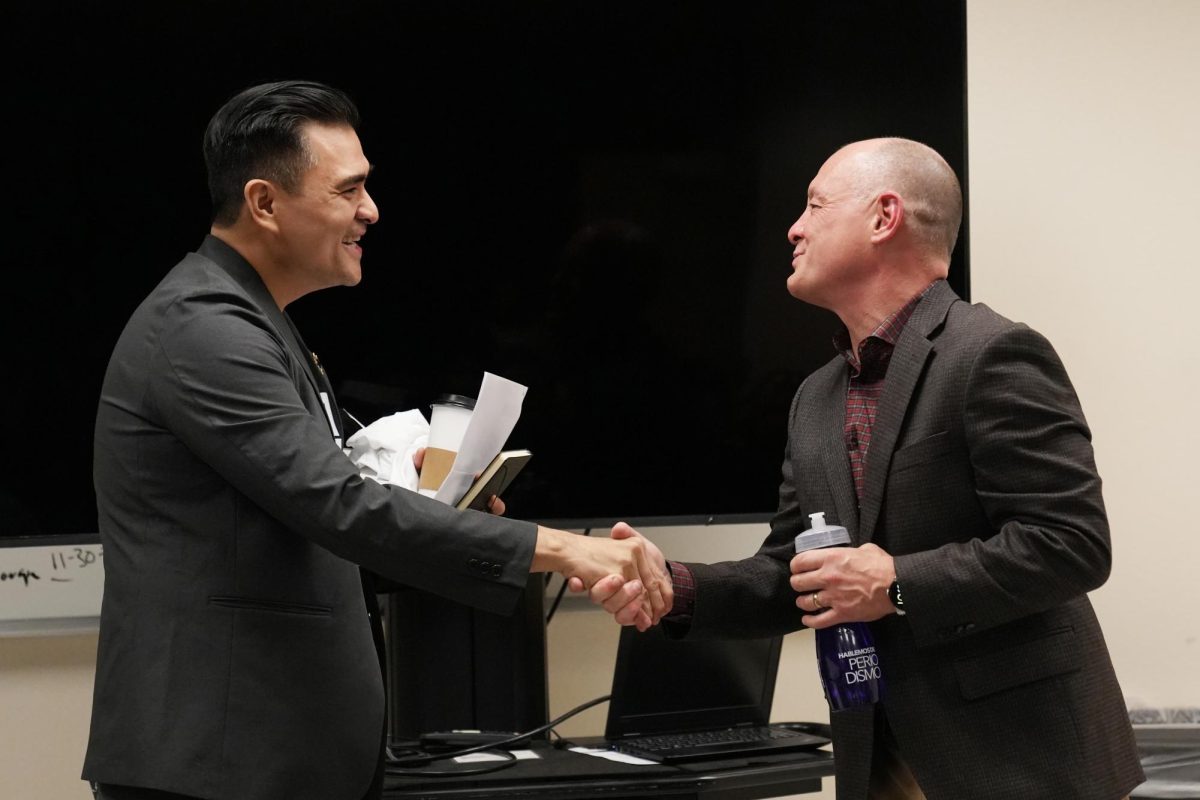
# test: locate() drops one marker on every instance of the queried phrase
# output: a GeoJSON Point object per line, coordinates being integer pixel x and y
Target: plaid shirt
{"type": "Point", "coordinates": [867, 372]}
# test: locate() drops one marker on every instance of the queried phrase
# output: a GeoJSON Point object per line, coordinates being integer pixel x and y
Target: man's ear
{"type": "Point", "coordinates": [260, 197]}
{"type": "Point", "coordinates": [888, 217]}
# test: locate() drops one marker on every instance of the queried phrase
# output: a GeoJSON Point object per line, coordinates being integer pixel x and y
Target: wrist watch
{"type": "Point", "coordinates": [896, 598]}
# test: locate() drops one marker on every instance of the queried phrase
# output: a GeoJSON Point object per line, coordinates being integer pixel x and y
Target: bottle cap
{"type": "Point", "coordinates": [821, 535]}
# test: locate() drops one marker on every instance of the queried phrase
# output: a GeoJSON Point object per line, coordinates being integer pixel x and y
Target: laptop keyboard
{"type": "Point", "coordinates": [667, 743]}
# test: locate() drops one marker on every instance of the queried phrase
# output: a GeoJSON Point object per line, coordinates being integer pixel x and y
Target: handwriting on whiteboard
{"type": "Point", "coordinates": [51, 581]}
{"type": "Point", "coordinates": [62, 561]}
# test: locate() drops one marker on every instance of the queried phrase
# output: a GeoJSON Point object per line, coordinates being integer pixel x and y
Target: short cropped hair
{"type": "Point", "coordinates": [259, 133]}
{"type": "Point", "coordinates": [931, 191]}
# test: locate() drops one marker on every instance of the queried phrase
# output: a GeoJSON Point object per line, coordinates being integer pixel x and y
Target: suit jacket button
{"type": "Point", "coordinates": [473, 563]}
{"type": "Point", "coordinates": [496, 570]}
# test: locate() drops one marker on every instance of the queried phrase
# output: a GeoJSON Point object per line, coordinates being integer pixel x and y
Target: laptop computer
{"type": "Point", "coordinates": [675, 701]}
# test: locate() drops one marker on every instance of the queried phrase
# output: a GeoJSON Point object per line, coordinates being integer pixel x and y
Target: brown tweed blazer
{"type": "Point", "coordinates": [980, 480]}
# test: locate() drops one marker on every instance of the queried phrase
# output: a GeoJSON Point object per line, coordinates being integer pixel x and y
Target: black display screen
{"type": "Point", "coordinates": [590, 198]}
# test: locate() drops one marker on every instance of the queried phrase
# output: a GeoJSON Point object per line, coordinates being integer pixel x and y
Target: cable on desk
{"type": "Point", "coordinates": [404, 764]}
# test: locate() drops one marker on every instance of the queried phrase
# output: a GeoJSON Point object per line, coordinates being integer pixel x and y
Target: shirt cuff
{"type": "Point", "coordinates": [685, 590]}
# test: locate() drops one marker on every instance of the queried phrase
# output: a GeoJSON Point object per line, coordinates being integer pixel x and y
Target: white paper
{"type": "Point", "coordinates": [521, 755]}
{"type": "Point", "coordinates": [497, 410]}
{"type": "Point", "coordinates": [611, 755]}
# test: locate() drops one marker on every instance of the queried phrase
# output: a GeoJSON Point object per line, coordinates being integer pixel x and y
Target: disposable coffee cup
{"type": "Point", "coordinates": [448, 418]}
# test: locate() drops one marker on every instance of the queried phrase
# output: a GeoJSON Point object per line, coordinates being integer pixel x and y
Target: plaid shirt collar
{"type": "Point", "coordinates": [875, 351]}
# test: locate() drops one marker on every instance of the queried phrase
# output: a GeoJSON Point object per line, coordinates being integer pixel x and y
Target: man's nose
{"type": "Point", "coordinates": [796, 231]}
{"type": "Point", "coordinates": [368, 212]}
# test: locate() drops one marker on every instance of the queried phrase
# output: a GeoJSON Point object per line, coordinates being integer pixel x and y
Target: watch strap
{"type": "Point", "coordinates": [896, 597]}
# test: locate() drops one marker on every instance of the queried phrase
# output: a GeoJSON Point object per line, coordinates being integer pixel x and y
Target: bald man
{"type": "Point", "coordinates": [950, 442]}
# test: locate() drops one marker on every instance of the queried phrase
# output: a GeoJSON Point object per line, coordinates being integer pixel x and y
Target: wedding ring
{"type": "Point", "coordinates": [816, 596]}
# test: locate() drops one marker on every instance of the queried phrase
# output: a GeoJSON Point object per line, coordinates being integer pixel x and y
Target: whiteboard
{"type": "Point", "coordinates": [50, 585]}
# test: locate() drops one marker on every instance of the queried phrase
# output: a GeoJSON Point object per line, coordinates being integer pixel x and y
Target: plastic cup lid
{"type": "Point", "coordinates": [460, 400]}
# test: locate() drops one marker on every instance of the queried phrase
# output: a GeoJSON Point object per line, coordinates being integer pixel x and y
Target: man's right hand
{"type": "Point", "coordinates": [620, 599]}
{"type": "Point", "coordinates": [628, 572]}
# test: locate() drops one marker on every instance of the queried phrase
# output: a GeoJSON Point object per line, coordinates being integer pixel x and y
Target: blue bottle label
{"type": "Point", "coordinates": [860, 665]}
{"type": "Point", "coordinates": [849, 665]}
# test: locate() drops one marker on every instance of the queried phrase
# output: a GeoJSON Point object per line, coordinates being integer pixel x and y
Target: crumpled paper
{"type": "Point", "coordinates": [383, 450]}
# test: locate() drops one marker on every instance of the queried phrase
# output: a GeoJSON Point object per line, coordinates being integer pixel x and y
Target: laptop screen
{"type": "Point", "coordinates": [668, 686]}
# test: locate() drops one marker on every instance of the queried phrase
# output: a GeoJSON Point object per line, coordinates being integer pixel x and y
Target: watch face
{"type": "Point", "coordinates": [895, 596]}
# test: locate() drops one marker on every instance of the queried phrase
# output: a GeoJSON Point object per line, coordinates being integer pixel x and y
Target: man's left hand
{"type": "Point", "coordinates": [494, 504]}
{"type": "Point", "coordinates": [843, 584]}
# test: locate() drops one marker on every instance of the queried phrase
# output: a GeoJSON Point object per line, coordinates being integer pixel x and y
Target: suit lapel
{"type": "Point", "coordinates": [316, 372]}
{"type": "Point", "coordinates": [904, 370]}
{"type": "Point", "coordinates": [245, 275]}
{"type": "Point", "coordinates": [834, 457]}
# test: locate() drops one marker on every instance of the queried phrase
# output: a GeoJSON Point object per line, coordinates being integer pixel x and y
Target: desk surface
{"type": "Point", "coordinates": [563, 774]}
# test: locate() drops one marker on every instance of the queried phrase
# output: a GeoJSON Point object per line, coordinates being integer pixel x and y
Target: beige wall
{"type": "Point", "coordinates": [45, 703]}
{"type": "Point", "coordinates": [1084, 164]}
{"type": "Point", "coordinates": [1084, 167]}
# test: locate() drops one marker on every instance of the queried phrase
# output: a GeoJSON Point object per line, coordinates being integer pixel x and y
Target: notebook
{"type": "Point", "coordinates": [675, 701]}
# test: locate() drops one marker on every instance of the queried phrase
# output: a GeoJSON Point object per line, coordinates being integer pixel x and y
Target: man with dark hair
{"type": "Point", "coordinates": [950, 443]}
{"type": "Point", "coordinates": [238, 637]}
{"type": "Point", "coordinates": [248, 139]}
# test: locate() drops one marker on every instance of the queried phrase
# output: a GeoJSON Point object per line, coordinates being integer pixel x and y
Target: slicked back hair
{"type": "Point", "coordinates": [259, 133]}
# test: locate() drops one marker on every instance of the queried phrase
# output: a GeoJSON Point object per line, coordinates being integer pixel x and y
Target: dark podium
{"type": "Point", "coordinates": [450, 666]}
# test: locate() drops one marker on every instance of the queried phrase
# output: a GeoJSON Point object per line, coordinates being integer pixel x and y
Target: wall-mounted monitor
{"type": "Point", "coordinates": [590, 198]}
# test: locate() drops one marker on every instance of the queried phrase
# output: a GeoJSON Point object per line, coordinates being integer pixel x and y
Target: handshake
{"type": "Point", "coordinates": [626, 574]}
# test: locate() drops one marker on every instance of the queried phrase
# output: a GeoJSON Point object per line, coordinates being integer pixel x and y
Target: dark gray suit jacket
{"type": "Point", "coordinates": [236, 658]}
{"type": "Point", "coordinates": [980, 480]}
